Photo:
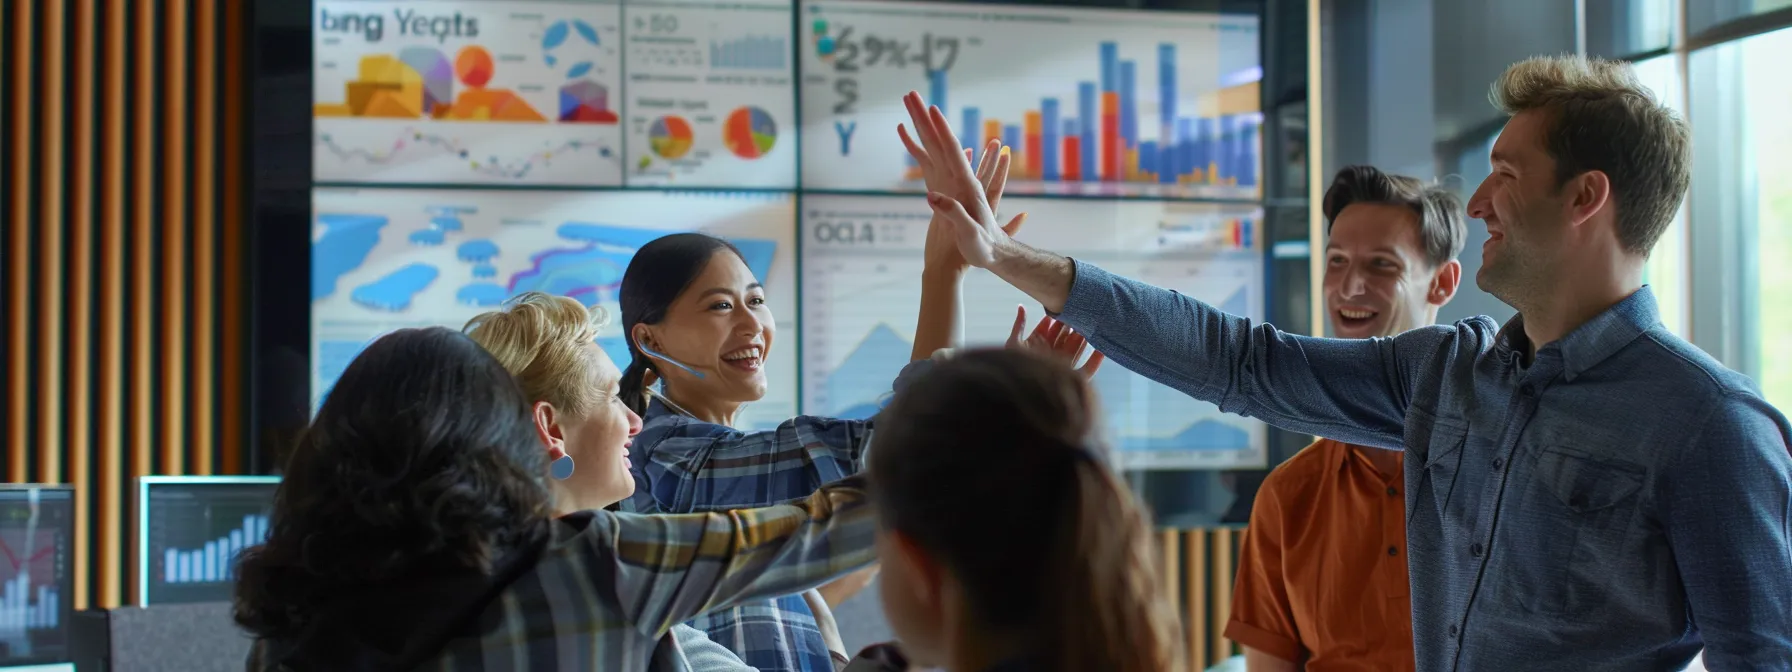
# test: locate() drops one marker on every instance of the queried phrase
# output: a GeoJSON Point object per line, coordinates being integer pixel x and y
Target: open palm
{"type": "Point", "coordinates": [954, 189]}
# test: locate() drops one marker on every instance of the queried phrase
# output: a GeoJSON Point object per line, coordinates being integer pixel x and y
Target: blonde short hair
{"type": "Point", "coordinates": [541, 339]}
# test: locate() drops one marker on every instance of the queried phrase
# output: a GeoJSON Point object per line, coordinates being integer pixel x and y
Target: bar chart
{"type": "Point", "coordinates": [1089, 102]}
{"type": "Point", "coordinates": [1101, 142]}
{"type": "Point", "coordinates": [213, 562]}
{"type": "Point", "coordinates": [193, 534]}
{"type": "Point", "coordinates": [28, 606]}
{"type": "Point", "coordinates": [749, 53]}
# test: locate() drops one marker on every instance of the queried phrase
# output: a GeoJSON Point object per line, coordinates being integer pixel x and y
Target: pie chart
{"type": "Point", "coordinates": [669, 137]}
{"type": "Point", "coordinates": [749, 132]}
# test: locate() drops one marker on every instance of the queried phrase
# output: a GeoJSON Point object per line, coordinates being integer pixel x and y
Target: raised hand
{"type": "Point", "coordinates": [941, 248]}
{"type": "Point", "coordinates": [954, 190]}
{"type": "Point", "coordinates": [1055, 339]}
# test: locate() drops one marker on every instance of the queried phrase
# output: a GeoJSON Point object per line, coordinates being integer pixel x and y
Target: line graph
{"type": "Point", "coordinates": [492, 166]}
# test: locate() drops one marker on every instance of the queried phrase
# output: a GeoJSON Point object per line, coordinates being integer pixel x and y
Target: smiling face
{"type": "Point", "coordinates": [1526, 211]}
{"type": "Point", "coordinates": [1377, 280]}
{"type": "Point", "coordinates": [721, 326]}
{"type": "Point", "coordinates": [598, 439]}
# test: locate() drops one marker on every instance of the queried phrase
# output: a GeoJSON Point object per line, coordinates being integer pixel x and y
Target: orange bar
{"type": "Point", "coordinates": [1033, 129]}
{"type": "Point", "coordinates": [18, 322]}
{"type": "Point", "coordinates": [80, 297]}
{"type": "Point", "coordinates": [112, 320]}
{"type": "Point", "coordinates": [992, 130]}
{"type": "Point", "coordinates": [1073, 158]}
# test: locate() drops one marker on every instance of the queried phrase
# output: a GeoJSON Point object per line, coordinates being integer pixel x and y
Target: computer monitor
{"type": "Point", "coordinates": [190, 530]}
{"type": "Point", "coordinates": [37, 579]}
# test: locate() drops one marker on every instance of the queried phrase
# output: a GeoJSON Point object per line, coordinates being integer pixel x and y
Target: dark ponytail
{"type": "Point", "coordinates": [659, 272]}
{"type": "Point", "coordinates": [1053, 549]}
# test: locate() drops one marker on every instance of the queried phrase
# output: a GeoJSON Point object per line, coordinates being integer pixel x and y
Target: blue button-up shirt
{"type": "Point", "coordinates": [1616, 504]}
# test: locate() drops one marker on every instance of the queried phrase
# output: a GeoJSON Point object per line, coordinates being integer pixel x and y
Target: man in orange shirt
{"type": "Point", "coordinates": [1322, 576]}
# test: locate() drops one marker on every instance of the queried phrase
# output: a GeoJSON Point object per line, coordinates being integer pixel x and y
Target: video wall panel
{"type": "Point", "coordinates": [466, 151]}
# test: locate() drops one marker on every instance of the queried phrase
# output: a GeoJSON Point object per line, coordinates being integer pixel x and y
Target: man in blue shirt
{"type": "Point", "coordinates": [1585, 490]}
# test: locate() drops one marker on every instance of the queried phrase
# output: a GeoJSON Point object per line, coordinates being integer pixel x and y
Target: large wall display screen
{"type": "Point", "coordinates": [468, 151]}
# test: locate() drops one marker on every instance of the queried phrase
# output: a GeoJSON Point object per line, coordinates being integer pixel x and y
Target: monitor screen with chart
{"type": "Point", "coordinates": [190, 531]}
{"type": "Point", "coordinates": [36, 581]}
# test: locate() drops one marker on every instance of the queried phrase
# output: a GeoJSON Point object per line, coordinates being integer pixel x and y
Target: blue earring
{"type": "Point", "coordinates": [561, 468]}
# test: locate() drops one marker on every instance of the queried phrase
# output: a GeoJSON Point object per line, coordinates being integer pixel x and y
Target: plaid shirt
{"type": "Point", "coordinates": [682, 465]}
{"type": "Point", "coordinates": [608, 588]}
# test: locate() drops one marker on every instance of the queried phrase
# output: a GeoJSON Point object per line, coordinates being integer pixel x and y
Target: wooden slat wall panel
{"type": "Point", "coordinates": [1199, 565]}
{"type": "Point", "coordinates": [122, 200]}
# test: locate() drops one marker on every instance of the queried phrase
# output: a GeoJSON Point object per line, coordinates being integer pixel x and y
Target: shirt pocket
{"type": "Point", "coordinates": [1442, 449]}
{"type": "Point", "coordinates": [1571, 529]}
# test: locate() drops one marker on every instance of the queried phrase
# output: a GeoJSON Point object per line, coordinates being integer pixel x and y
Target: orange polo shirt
{"type": "Point", "coordinates": [1322, 575]}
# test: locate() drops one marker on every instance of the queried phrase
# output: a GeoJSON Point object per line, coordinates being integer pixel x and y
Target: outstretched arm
{"type": "Point", "coordinates": [666, 569]}
{"type": "Point", "coordinates": [942, 277]}
{"type": "Point", "coordinates": [1350, 390]}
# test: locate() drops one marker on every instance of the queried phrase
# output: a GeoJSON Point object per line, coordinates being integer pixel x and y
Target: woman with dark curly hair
{"type": "Point", "coordinates": [413, 530]}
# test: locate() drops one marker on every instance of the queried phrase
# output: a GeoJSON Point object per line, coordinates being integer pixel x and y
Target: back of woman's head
{"type": "Point", "coordinates": [542, 339]}
{"type": "Point", "coordinates": [990, 465]}
{"type": "Point", "coordinates": [422, 458]}
{"type": "Point", "coordinates": [659, 272]}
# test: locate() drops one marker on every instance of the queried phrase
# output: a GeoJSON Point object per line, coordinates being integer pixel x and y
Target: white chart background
{"type": "Point", "coordinates": [356, 149]}
{"type": "Point", "coordinates": [861, 295]}
{"type": "Point", "coordinates": [670, 72]}
{"type": "Point", "coordinates": [523, 225]}
{"type": "Point", "coordinates": [1008, 58]}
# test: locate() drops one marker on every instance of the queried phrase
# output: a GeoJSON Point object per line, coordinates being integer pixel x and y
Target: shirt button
{"type": "Point", "coordinates": [1475, 550]}
{"type": "Point", "coordinates": [1497, 463]}
{"type": "Point", "coordinates": [1452, 629]}
{"type": "Point", "coordinates": [1393, 550]}
{"type": "Point", "coordinates": [1526, 389]}
{"type": "Point", "coordinates": [1393, 492]}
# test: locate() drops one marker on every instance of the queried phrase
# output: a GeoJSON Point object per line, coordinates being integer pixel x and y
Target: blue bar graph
{"type": "Point", "coordinates": [1086, 122]}
{"type": "Point", "coordinates": [22, 608]}
{"type": "Point", "coordinates": [1129, 107]}
{"type": "Point", "coordinates": [1110, 68]}
{"type": "Point", "coordinates": [748, 53]}
{"type": "Point", "coordinates": [213, 562]}
{"type": "Point", "coordinates": [1103, 138]}
{"type": "Point", "coordinates": [1167, 166]}
{"type": "Point", "coordinates": [973, 125]}
{"type": "Point", "coordinates": [1048, 112]}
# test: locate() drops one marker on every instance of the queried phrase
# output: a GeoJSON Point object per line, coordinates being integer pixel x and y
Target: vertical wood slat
{"type": "Point", "coordinates": [1207, 566]}
{"type": "Point", "coordinates": [80, 289]}
{"type": "Point", "coordinates": [112, 316]}
{"type": "Point", "coordinates": [235, 222]}
{"type": "Point", "coordinates": [204, 237]}
{"type": "Point", "coordinates": [48, 315]}
{"type": "Point", "coordinates": [18, 405]}
{"type": "Point", "coordinates": [121, 254]}
{"type": "Point", "coordinates": [173, 87]}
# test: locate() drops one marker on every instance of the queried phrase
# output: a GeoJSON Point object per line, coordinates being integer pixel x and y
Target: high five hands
{"type": "Point", "coordinates": [1056, 340]}
{"type": "Point", "coordinates": [954, 191]}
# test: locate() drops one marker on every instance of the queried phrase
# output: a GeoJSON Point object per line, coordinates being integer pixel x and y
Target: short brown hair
{"type": "Point", "coordinates": [1442, 228]}
{"type": "Point", "coordinates": [1602, 118]}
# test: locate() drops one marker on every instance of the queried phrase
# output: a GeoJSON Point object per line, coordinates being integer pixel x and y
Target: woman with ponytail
{"type": "Point", "coordinates": [1041, 565]}
{"type": "Point", "coordinates": [697, 323]}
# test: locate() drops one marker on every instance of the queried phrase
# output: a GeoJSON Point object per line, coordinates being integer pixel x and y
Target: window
{"type": "Point", "coordinates": [1705, 14]}
{"type": "Point", "coordinates": [1743, 196]}
{"type": "Point", "coordinates": [1667, 270]}
{"type": "Point", "coordinates": [1623, 28]}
